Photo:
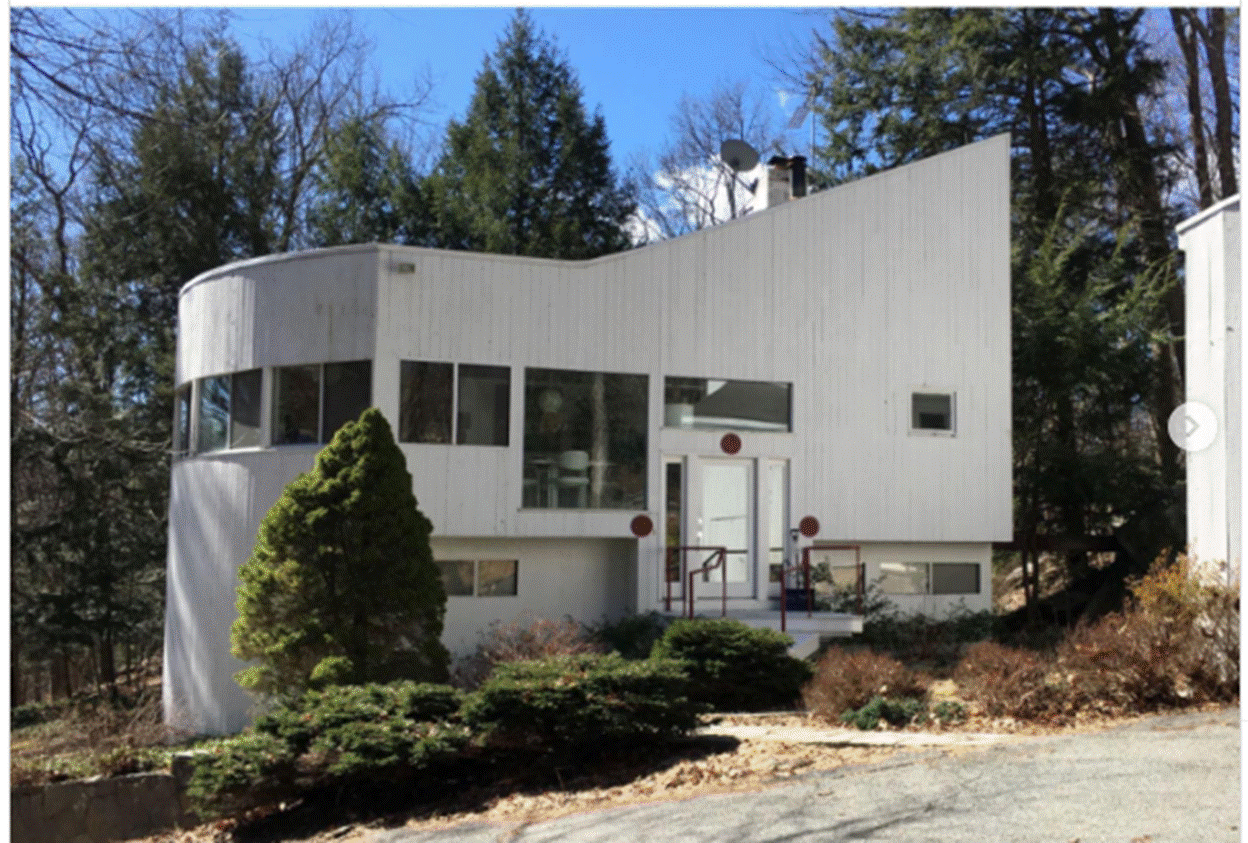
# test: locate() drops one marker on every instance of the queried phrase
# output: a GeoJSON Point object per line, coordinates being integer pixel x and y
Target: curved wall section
{"type": "Point", "coordinates": [308, 308]}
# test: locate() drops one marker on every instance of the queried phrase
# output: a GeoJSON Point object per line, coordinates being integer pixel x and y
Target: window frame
{"type": "Point", "coordinates": [476, 574]}
{"type": "Point", "coordinates": [674, 384]}
{"type": "Point", "coordinates": [929, 579]}
{"type": "Point", "coordinates": [930, 392]}
{"type": "Point", "coordinates": [323, 435]}
{"type": "Point", "coordinates": [454, 434]}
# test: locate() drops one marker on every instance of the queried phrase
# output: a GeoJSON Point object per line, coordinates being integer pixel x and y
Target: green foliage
{"type": "Point", "coordinates": [527, 172]}
{"type": "Point", "coordinates": [342, 737]}
{"type": "Point", "coordinates": [341, 587]}
{"type": "Point", "coordinates": [633, 636]}
{"type": "Point", "coordinates": [948, 712]}
{"type": "Point", "coordinates": [242, 766]}
{"type": "Point", "coordinates": [299, 721]}
{"type": "Point", "coordinates": [574, 703]}
{"type": "Point", "coordinates": [733, 667]}
{"type": "Point", "coordinates": [895, 712]}
{"type": "Point", "coordinates": [1096, 304]}
{"type": "Point", "coordinates": [366, 190]}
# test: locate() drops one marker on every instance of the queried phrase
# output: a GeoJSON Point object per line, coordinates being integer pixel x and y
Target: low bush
{"type": "Point", "coordinates": [524, 639]}
{"type": "Point", "coordinates": [248, 769]}
{"type": "Point", "coordinates": [633, 637]}
{"type": "Point", "coordinates": [918, 638]}
{"type": "Point", "coordinates": [1007, 681]}
{"type": "Point", "coordinates": [345, 737]}
{"type": "Point", "coordinates": [948, 713]}
{"type": "Point", "coordinates": [32, 714]}
{"type": "Point", "coordinates": [733, 667]}
{"type": "Point", "coordinates": [1176, 644]}
{"type": "Point", "coordinates": [298, 722]}
{"type": "Point", "coordinates": [890, 710]}
{"type": "Point", "coordinates": [577, 702]}
{"type": "Point", "coordinates": [847, 680]}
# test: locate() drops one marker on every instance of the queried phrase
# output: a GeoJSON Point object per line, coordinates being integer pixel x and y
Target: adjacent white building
{"type": "Point", "coordinates": [843, 356]}
{"type": "Point", "coordinates": [1210, 242]}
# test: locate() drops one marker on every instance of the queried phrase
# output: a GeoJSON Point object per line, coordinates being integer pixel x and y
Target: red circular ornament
{"type": "Point", "coordinates": [642, 526]}
{"type": "Point", "coordinates": [730, 443]}
{"type": "Point", "coordinates": [809, 526]}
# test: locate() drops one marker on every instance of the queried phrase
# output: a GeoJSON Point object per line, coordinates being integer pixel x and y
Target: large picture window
{"type": "Point", "coordinates": [585, 443]}
{"type": "Point", "coordinates": [445, 402]}
{"type": "Point", "coordinates": [310, 403]}
{"type": "Point", "coordinates": [723, 404]}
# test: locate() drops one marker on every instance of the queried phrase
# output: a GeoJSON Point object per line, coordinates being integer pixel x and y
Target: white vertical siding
{"type": "Point", "coordinates": [1214, 308]}
{"type": "Point", "coordinates": [856, 296]}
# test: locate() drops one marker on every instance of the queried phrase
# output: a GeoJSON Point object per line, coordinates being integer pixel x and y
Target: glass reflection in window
{"type": "Point", "coordinates": [585, 444]}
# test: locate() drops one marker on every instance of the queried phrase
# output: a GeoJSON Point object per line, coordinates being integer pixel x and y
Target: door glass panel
{"type": "Point", "coordinates": [726, 514]}
{"type": "Point", "coordinates": [777, 517]}
{"type": "Point", "coordinates": [674, 519]}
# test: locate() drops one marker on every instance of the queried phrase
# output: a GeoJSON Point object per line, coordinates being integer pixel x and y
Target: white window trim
{"type": "Point", "coordinates": [932, 390]}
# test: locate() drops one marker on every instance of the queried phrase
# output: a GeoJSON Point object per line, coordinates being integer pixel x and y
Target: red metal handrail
{"type": "Point", "coordinates": [719, 554]}
{"type": "Point", "coordinates": [804, 565]}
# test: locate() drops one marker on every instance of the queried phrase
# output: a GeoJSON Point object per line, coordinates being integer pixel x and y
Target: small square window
{"type": "Point", "coordinates": [931, 411]}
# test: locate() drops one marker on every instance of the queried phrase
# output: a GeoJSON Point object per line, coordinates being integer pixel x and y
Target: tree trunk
{"type": "Point", "coordinates": [1184, 32]}
{"type": "Point", "coordinates": [1224, 107]}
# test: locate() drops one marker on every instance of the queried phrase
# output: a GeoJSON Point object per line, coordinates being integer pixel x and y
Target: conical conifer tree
{"type": "Point", "coordinates": [341, 587]}
{"type": "Point", "coordinates": [528, 172]}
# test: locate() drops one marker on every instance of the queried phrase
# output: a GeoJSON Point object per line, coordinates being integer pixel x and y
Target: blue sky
{"type": "Point", "coordinates": [633, 63]}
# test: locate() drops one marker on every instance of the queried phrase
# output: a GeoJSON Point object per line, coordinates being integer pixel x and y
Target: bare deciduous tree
{"type": "Point", "coordinates": [690, 187]}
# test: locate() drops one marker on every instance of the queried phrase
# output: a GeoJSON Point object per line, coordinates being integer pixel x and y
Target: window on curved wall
{"type": "Point", "coordinates": [296, 405]}
{"type": "Point", "coordinates": [182, 421]}
{"type": "Point", "coordinates": [245, 409]}
{"type": "Point", "coordinates": [214, 414]}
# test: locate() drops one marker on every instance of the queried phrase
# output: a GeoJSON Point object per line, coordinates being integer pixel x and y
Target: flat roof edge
{"type": "Point", "coordinates": [1212, 211]}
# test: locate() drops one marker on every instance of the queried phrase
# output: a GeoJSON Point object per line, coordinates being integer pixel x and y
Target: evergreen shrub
{"type": "Point", "coordinates": [733, 667]}
{"type": "Point", "coordinates": [578, 702]}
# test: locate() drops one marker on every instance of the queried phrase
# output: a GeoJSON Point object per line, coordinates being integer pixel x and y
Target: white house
{"type": "Point", "coordinates": [843, 357]}
{"type": "Point", "coordinates": [1210, 242]}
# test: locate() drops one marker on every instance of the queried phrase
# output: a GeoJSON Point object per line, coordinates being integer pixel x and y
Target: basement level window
{"type": "Point", "coordinates": [480, 578]}
{"type": "Point", "coordinates": [929, 578]}
{"type": "Point", "coordinates": [932, 411]}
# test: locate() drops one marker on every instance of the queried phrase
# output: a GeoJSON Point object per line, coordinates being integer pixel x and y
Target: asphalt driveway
{"type": "Point", "coordinates": [1164, 779]}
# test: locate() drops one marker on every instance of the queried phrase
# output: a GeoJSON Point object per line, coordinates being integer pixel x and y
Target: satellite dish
{"type": "Point", "coordinates": [739, 155]}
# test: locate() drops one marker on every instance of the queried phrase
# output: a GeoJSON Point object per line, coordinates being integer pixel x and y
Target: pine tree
{"type": "Point", "coordinates": [341, 587]}
{"type": "Point", "coordinates": [366, 191]}
{"type": "Point", "coordinates": [527, 172]}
